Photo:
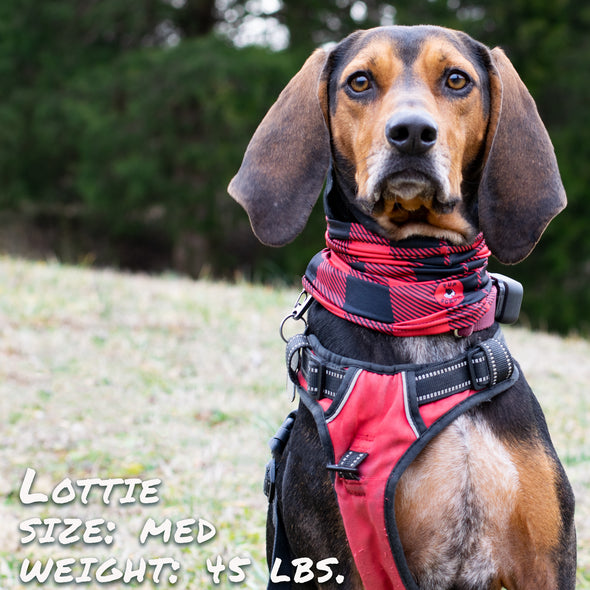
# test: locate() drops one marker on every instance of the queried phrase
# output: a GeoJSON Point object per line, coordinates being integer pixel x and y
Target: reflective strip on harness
{"type": "Point", "coordinates": [375, 421]}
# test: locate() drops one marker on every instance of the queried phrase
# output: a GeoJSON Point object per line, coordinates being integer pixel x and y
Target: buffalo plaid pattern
{"type": "Point", "coordinates": [410, 288]}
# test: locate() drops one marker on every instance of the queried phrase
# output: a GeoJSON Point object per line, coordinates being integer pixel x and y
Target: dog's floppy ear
{"type": "Point", "coordinates": [520, 190]}
{"type": "Point", "coordinates": [287, 159]}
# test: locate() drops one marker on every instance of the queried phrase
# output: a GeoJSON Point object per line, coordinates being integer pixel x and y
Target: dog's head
{"type": "Point", "coordinates": [429, 134]}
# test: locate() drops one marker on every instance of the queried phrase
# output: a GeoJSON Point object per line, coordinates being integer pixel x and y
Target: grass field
{"type": "Point", "coordinates": [118, 378]}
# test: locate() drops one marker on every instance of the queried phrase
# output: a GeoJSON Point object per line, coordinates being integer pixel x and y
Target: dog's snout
{"type": "Point", "coordinates": [411, 133]}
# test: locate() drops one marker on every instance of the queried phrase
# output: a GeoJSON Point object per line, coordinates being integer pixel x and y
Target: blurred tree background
{"type": "Point", "coordinates": [121, 124]}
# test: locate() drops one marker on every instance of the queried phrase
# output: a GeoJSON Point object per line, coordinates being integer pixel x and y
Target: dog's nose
{"type": "Point", "coordinates": [412, 133]}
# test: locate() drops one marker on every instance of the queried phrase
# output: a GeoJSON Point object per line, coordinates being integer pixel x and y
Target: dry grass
{"type": "Point", "coordinates": [108, 375]}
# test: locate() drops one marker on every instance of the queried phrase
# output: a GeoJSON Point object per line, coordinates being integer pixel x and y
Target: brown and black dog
{"type": "Point", "coordinates": [429, 133]}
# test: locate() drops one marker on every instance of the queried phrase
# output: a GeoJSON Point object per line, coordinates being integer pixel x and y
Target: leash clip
{"type": "Point", "coordinates": [302, 304]}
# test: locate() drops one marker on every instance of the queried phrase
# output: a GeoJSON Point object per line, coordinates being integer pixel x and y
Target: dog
{"type": "Point", "coordinates": [424, 133]}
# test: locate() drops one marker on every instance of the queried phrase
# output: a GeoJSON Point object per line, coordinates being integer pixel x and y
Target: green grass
{"type": "Point", "coordinates": [107, 375]}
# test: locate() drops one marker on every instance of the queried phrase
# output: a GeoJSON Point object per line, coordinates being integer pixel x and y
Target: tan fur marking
{"type": "Point", "coordinates": [472, 475]}
{"type": "Point", "coordinates": [535, 523]}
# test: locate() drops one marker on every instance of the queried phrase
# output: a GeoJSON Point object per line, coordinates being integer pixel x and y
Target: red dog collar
{"type": "Point", "coordinates": [415, 287]}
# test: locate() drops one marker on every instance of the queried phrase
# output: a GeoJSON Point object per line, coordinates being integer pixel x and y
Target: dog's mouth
{"type": "Point", "coordinates": [410, 204]}
{"type": "Point", "coordinates": [409, 196]}
{"type": "Point", "coordinates": [409, 186]}
{"type": "Point", "coordinates": [399, 214]}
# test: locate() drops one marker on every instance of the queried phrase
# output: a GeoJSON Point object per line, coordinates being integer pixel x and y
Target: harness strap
{"type": "Point", "coordinates": [280, 547]}
{"type": "Point", "coordinates": [481, 367]}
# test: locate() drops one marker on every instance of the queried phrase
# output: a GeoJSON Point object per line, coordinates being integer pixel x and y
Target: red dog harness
{"type": "Point", "coordinates": [374, 420]}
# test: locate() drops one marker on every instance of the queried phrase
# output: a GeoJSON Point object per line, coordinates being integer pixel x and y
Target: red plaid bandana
{"type": "Point", "coordinates": [416, 287]}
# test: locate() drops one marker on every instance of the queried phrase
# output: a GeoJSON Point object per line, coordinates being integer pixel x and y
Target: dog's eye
{"type": "Point", "coordinates": [457, 80]}
{"type": "Point", "coordinates": [359, 82]}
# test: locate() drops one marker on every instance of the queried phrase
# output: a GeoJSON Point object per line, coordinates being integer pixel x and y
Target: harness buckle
{"type": "Point", "coordinates": [277, 445]}
{"type": "Point", "coordinates": [477, 366]}
{"type": "Point", "coordinates": [315, 375]}
{"type": "Point", "coordinates": [278, 442]}
{"type": "Point", "coordinates": [347, 467]}
{"type": "Point", "coordinates": [489, 363]}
